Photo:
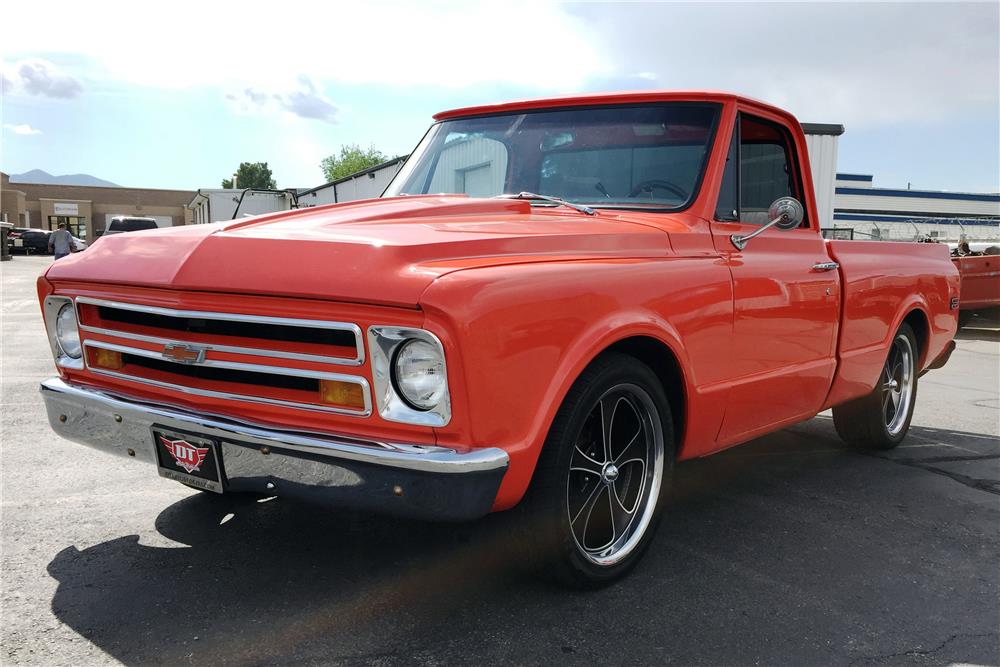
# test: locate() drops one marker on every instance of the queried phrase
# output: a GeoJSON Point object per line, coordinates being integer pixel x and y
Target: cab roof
{"type": "Point", "coordinates": [600, 99]}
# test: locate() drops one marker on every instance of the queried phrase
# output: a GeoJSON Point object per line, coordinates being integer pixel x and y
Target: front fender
{"type": "Point", "coordinates": [518, 337]}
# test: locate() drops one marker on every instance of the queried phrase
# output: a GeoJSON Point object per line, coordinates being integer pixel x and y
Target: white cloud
{"type": "Point", "coordinates": [34, 76]}
{"type": "Point", "coordinates": [533, 44]}
{"type": "Point", "coordinates": [24, 128]}
{"type": "Point", "coordinates": [860, 64]}
{"type": "Point", "coordinates": [304, 101]}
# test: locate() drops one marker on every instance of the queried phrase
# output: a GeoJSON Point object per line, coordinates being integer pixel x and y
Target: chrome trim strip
{"type": "Point", "coordinates": [50, 309]}
{"type": "Point", "coordinates": [249, 351]}
{"type": "Point", "coordinates": [231, 365]}
{"type": "Point", "coordinates": [236, 317]}
{"type": "Point", "coordinates": [427, 458]}
{"type": "Point", "coordinates": [243, 397]}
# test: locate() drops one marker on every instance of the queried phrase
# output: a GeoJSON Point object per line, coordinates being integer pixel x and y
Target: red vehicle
{"type": "Point", "coordinates": [667, 294]}
{"type": "Point", "coordinates": [980, 275]}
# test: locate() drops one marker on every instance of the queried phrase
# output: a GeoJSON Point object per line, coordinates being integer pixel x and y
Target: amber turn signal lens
{"type": "Point", "coordinates": [346, 394]}
{"type": "Point", "coordinates": [107, 359]}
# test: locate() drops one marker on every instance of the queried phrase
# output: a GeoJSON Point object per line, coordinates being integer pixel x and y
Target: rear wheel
{"type": "Point", "coordinates": [602, 477]}
{"type": "Point", "coordinates": [882, 419]}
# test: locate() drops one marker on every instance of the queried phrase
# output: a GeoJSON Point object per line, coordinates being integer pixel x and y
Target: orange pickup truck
{"type": "Point", "coordinates": [553, 302]}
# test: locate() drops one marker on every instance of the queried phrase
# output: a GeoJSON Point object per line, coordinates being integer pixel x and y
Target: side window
{"type": "Point", "coordinates": [727, 206]}
{"type": "Point", "coordinates": [767, 168]}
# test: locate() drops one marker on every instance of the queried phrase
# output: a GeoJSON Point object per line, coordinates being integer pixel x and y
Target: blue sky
{"type": "Point", "coordinates": [184, 95]}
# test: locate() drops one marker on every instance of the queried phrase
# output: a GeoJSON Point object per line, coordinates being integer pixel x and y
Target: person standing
{"type": "Point", "coordinates": [61, 241]}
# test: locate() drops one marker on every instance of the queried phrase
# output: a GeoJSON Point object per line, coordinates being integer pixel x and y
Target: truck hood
{"type": "Point", "coordinates": [384, 251]}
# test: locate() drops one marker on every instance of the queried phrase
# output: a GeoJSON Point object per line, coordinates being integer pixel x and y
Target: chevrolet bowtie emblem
{"type": "Point", "coordinates": [184, 354]}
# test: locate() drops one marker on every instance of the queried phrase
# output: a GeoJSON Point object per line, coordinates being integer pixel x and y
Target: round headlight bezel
{"type": "Point", "coordinates": [416, 398]}
{"type": "Point", "coordinates": [68, 339]}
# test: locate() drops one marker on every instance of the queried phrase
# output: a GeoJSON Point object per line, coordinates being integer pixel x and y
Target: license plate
{"type": "Point", "coordinates": [18, 243]}
{"type": "Point", "coordinates": [187, 458]}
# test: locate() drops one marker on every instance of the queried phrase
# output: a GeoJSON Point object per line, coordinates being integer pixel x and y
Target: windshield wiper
{"type": "Point", "coordinates": [555, 200]}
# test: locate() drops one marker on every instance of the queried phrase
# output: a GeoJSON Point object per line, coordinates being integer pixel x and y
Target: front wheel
{"type": "Point", "coordinates": [882, 419]}
{"type": "Point", "coordinates": [602, 477]}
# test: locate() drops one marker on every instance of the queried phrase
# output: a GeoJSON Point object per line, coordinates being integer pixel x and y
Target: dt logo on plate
{"type": "Point", "coordinates": [188, 456]}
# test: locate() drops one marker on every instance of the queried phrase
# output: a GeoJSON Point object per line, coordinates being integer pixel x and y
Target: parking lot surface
{"type": "Point", "coordinates": [790, 550]}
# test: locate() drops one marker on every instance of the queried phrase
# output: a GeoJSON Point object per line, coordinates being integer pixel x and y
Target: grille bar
{"type": "Point", "coordinates": [339, 334]}
{"type": "Point", "coordinates": [232, 349]}
{"type": "Point", "coordinates": [232, 372]}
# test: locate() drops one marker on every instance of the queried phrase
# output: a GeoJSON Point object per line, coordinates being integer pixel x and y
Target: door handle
{"type": "Point", "coordinates": [826, 266]}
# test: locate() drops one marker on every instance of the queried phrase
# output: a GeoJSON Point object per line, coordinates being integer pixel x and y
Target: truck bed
{"type": "Point", "coordinates": [882, 280]}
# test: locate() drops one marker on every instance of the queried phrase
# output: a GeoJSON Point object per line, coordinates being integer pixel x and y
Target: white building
{"type": "Point", "coordinates": [365, 184]}
{"type": "Point", "coordinates": [900, 215]}
{"type": "Point", "coordinates": [219, 204]}
{"type": "Point", "coordinates": [821, 142]}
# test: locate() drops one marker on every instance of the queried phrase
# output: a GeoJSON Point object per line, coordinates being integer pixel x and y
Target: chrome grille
{"type": "Point", "coordinates": [172, 353]}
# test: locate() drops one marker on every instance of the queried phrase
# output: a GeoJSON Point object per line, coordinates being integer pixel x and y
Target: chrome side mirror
{"type": "Point", "coordinates": [785, 213]}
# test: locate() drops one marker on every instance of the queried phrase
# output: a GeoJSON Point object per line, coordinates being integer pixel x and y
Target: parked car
{"type": "Point", "coordinates": [124, 223]}
{"type": "Point", "coordinates": [609, 284]}
{"type": "Point", "coordinates": [980, 276]}
{"type": "Point", "coordinates": [28, 241]}
{"type": "Point", "coordinates": [78, 244]}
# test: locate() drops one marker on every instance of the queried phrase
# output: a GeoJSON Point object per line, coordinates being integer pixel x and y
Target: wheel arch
{"type": "Point", "coordinates": [918, 321]}
{"type": "Point", "coordinates": [660, 358]}
{"type": "Point", "coordinates": [652, 341]}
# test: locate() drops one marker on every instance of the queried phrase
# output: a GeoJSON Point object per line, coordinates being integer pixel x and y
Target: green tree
{"type": "Point", "coordinates": [352, 159]}
{"type": "Point", "coordinates": [252, 175]}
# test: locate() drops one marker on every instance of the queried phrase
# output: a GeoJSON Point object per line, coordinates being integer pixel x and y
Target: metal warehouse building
{"type": "Point", "coordinates": [365, 184]}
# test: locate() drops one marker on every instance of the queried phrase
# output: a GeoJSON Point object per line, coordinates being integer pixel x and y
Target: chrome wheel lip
{"type": "Point", "coordinates": [897, 381]}
{"type": "Point", "coordinates": [645, 502]}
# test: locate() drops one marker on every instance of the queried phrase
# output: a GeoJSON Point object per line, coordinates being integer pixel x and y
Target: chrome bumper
{"type": "Point", "coordinates": [411, 480]}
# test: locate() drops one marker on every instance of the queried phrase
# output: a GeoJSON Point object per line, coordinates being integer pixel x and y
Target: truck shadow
{"type": "Point", "coordinates": [254, 581]}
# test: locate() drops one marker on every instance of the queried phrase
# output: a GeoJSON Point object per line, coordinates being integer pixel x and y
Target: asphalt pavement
{"type": "Point", "coordinates": [789, 550]}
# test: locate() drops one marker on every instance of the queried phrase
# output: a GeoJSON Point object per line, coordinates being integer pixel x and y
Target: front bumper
{"type": "Point", "coordinates": [411, 480]}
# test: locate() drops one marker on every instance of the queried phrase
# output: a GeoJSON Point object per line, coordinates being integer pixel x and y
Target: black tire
{"type": "Point", "coordinates": [641, 475]}
{"type": "Point", "coordinates": [876, 421]}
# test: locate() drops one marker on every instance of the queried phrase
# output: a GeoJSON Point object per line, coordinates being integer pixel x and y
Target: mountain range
{"type": "Point", "coordinates": [44, 177]}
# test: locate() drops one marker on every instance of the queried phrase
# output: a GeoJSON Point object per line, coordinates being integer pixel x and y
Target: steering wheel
{"type": "Point", "coordinates": [653, 183]}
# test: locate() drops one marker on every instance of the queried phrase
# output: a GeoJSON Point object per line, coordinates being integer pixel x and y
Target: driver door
{"type": "Point", "coordinates": [786, 303]}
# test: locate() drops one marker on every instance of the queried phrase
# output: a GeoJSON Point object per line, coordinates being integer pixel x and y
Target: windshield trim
{"type": "Point", "coordinates": [703, 168]}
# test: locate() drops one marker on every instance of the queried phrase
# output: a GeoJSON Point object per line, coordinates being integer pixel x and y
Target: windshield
{"type": "Point", "coordinates": [617, 157]}
{"type": "Point", "coordinates": [131, 224]}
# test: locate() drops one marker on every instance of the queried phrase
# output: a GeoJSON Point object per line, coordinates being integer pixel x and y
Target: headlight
{"type": "Point", "coordinates": [409, 375]}
{"type": "Point", "coordinates": [68, 331]}
{"type": "Point", "coordinates": [419, 374]}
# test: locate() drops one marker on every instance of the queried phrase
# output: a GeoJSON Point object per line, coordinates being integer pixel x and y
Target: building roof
{"type": "Point", "coordinates": [106, 195]}
{"type": "Point", "coordinates": [917, 194]}
{"type": "Point", "coordinates": [832, 129]}
{"type": "Point", "coordinates": [357, 174]}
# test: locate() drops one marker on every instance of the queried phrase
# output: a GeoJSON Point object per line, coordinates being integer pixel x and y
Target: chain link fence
{"type": "Point", "coordinates": [946, 230]}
